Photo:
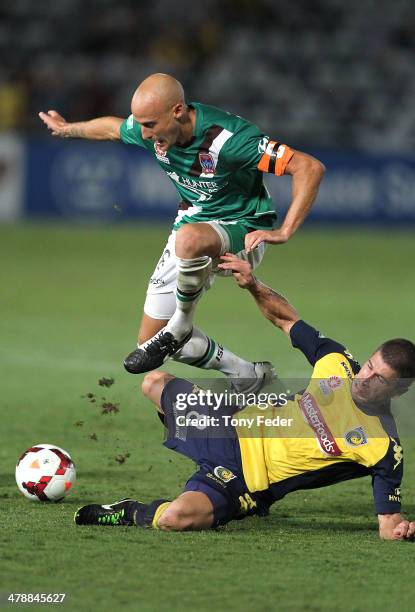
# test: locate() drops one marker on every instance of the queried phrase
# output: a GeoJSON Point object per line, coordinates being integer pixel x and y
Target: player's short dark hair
{"type": "Point", "coordinates": [399, 354]}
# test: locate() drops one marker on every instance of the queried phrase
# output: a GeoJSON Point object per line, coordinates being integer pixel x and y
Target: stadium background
{"type": "Point", "coordinates": [82, 226]}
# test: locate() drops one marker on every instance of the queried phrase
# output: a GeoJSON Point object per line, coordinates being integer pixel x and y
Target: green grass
{"type": "Point", "coordinates": [71, 302]}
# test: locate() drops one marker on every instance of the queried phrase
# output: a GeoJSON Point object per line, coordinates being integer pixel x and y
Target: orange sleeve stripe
{"type": "Point", "coordinates": [275, 158]}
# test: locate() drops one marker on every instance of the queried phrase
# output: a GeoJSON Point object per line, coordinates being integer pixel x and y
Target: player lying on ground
{"type": "Point", "coordinates": [216, 162]}
{"type": "Point", "coordinates": [344, 430]}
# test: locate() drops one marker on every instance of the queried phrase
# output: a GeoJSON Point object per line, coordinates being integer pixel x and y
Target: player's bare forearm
{"type": "Point", "coordinates": [307, 173]}
{"type": "Point", "coordinates": [272, 305]}
{"type": "Point", "coordinates": [395, 527]}
{"type": "Point", "coordinates": [102, 128]}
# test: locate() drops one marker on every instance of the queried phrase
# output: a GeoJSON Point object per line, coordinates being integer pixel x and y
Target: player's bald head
{"type": "Point", "coordinates": [157, 93]}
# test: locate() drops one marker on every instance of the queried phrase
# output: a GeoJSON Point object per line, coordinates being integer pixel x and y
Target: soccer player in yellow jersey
{"type": "Point", "coordinates": [341, 428]}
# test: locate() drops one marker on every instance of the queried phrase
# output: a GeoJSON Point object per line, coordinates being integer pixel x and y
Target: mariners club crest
{"type": "Point", "coordinates": [207, 164]}
{"type": "Point", "coordinates": [356, 437]}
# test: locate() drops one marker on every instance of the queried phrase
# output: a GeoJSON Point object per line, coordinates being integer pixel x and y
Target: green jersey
{"type": "Point", "coordinates": [216, 174]}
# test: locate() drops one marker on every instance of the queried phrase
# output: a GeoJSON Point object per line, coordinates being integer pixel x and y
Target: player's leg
{"type": "Point", "coordinates": [206, 502]}
{"type": "Point", "coordinates": [153, 385]}
{"type": "Point", "coordinates": [196, 245]}
{"type": "Point", "coordinates": [188, 269]}
{"type": "Point", "coordinates": [192, 510]}
{"type": "Point", "coordinates": [149, 327]}
{"type": "Point", "coordinates": [200, 350]}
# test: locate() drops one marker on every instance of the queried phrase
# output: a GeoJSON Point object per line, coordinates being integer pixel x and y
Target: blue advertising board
{"type": "Point", "coordinates": [110, 182]}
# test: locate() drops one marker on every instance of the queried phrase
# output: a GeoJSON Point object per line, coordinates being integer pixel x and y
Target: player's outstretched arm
{"type": "Point", "coordinates": [103, 128]}
{"type": "Point", "coordinates": [306, 172]}
{"type": "Point", "coordinates": [272, 305]}
{"type": "Point", "coordinates": [395, 527]}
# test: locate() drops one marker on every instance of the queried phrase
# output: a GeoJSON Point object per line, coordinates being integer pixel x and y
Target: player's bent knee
{"type": "Point", "coordinates": [189, 242]}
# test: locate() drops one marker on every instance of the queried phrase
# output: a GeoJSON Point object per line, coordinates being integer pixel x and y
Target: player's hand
{"type": "Point", "coordinates": [241, 270]}
{"type": "Point", "coordinates": [253, 239]}
{"type": "Point", "coordinates": [54, 122]}
{"type": "Point", "coordinates": [405, 530]}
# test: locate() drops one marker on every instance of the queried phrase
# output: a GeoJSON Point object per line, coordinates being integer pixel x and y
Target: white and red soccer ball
{"type": "Point", "coordinates": [45, 473]}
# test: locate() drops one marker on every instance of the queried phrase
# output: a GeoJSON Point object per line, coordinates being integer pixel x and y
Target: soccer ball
{"type": "Point", "coordinates": [45, 473]}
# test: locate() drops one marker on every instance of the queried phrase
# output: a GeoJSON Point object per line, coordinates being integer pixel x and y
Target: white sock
{"type": "Point", "coordinates": [203, 352]}
{"type": "Point", "coordinates": [192, 275]}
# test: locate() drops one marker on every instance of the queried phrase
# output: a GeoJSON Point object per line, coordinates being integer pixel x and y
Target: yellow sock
{"type": "Point", "coordinates": [158, 514]}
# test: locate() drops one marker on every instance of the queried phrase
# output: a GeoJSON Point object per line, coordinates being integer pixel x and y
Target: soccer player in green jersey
{"type": "Point", "coordinates": [216, 162]}
{"type": "Point", "coordinates": [339, 428]}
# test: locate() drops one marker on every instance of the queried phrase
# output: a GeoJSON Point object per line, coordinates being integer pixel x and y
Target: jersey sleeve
{"type": "Point", "coordinates": [130, 132]}
{"type": "Point", "coordinates": [315, 346]}
{"type": "Point", "coordinates": [250, 149]}
{"type": "Point", "coordinates": [387, 478]}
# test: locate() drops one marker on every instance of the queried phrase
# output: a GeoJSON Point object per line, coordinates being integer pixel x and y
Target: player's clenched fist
{"type": "Point", "coordinates": [404, 531]}
{"type": "Point", "coordinates": [241, 270]}
{"type": "Point", "coordinates": [54, 122]}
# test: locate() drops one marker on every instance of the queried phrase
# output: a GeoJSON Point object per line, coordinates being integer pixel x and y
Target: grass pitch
{"type": "Point", "coordinates": [71, 301]}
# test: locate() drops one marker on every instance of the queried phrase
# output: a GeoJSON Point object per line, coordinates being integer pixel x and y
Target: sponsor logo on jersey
{"type": "Point", "coordinates": [396, 497]}
{"type": "Point", "coordinates": [315, 419]}
{"type": "Point", "coordinates": [160, 154]}
{"type": "Point", "coordinates": [348, 371]}
{"type": "Point", "coordinates": [202, 189]}
{"type": "Point", "coordinates": [246, 503]}
{"type": "Point", "coordinates": [356, 437]}
{"type": "Point", "coordinates": [397, 453]}
{"type": "Point", "coordinates": [334, 382]}
{"type": "Point", "coordinates": [325, 388]}
{"type": "Point", "coordinates": [325, 395]}
{"type": "Point", "coordinates": [207, 163]}
{"type": "Point", "coordinates": [223, 473]}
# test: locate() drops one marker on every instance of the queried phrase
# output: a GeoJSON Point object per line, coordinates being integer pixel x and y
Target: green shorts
{"type": "Point", "coordinates": [235, 231]}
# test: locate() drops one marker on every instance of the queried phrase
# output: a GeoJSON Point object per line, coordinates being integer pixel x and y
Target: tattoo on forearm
{"type": "Point", "coordinates": [267, 292]}
{"type": "Point", "coordinates": [74, 132]}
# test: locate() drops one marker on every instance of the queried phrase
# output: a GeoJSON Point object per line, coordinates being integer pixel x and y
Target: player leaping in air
{"type": "Point", "coordinates": [341, 428]}
{"type": "Point", "coordinates": [216, 161]}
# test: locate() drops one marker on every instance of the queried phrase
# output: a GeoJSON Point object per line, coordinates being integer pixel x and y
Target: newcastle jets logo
{"type": "Point", "coordinates": [206, 160]}
{"type": "Point", "coordinates": [207, 164]}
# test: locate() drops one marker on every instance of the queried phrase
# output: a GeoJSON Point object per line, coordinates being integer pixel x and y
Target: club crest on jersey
{"type": "Point", "coordinates": [223, 473]}
{"type": "Point", "coordinates": [356, 437]}
{"type": "Point", "coordinates": [207, 163]}
{"type": "Point", "coordinates": [160, 154]}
